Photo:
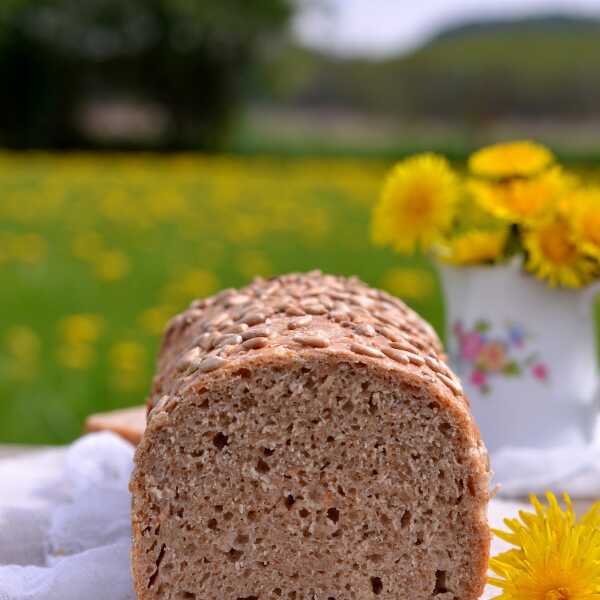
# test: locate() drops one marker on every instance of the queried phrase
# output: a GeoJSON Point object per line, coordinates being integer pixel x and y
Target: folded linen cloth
{"type": "Point", "coordinates": [64, 522]}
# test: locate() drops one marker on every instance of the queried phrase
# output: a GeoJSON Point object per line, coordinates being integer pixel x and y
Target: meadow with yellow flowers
{"type": "Point", "coordinates": [96, 253]}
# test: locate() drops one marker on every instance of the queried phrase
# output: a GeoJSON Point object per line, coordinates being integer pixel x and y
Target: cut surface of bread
{"type": "Point", "coordinates": [336, 458]}
{"type": "Point", "coordinates": [129, 423]}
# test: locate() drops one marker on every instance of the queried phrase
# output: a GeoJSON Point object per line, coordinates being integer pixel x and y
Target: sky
{"type": "Point", "coordinates": [379, 27]}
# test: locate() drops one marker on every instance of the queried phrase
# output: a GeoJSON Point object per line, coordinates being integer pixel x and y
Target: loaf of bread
{"type": "Point", "coordinates": [306, 440]}
{"type": "Point", "coordinates": [129, 423]}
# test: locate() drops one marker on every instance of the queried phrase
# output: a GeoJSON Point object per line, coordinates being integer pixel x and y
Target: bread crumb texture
{"type": "Point", "coordinates": [306, 440]}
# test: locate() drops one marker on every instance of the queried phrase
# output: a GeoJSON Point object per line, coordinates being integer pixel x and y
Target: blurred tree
{"type": "Point", "coordinates": [190, 57]}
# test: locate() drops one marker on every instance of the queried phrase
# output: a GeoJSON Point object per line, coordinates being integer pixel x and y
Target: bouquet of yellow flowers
{"type": "Point", "coordinates": [514, 199]}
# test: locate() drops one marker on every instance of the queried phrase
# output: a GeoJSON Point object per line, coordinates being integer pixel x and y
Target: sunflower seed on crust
{"type": "Point", "coordinates": [314, 309]}
{"type": "Point", "coordinates": [254, 318]}
{"type": "Point", "coordinates": [229, 339]}
{"type": "Point", "coordinates": [256, 332]}
{"type": "Point", "coordinates": [316, 341]}
{"type": "Point", "coordinates": [294, 311]}
{"type": "Point", "coordinates": [415, 359]}
{"type": "Point", "coordinates": [188, 358]}
{"type": "Point", "coordinates": [255, 343]}
{"type": "Point", "coordinates": [237, 328]}
{"type": "Point", "coordinates": [220, 318]}
{"type": "Point", "coordinates": [300, 322]}
{"type": "Point", "coordinates": [455, 386]}
{"type": "Point", "coordinates": [396, 355]}
{"type": "Point", "coordinates": [238, 299]}
{"type": "Point", "coordinates": [366, 350]}
{"type": "Point", "coordinates": [365, 329]}
{"type": "Point", "coordinates": [391, 334]}
{"type": "Point", "coordinates": [210, 363]}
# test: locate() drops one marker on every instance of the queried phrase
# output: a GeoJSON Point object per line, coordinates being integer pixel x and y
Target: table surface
{"type": "Point", "coordinates": [8, 450]}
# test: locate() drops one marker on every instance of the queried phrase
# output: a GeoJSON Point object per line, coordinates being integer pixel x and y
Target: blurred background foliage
{"type": "Point", "coordinates": [229, 75]}
{"type": "Point", "coordinates": [99, 249]}
{"type": "Point", "coordinates": [181, 63]}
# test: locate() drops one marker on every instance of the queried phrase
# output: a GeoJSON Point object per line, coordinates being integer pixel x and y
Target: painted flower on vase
{"type": "Point", "coordinates": [471, 345]}
{"type": "Point", "coordinates": [485, 355]}
{"type": "Point", "coordinates": [540, 371]}
{"type": "Point", "coordinates": [492, 357]}
{"type": "Point", "coordinates": [479, 378]}
{"type": "Point", "coordinates": [516, 335]}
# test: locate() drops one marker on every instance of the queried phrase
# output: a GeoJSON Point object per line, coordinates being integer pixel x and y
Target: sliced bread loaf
{"type": "Point", "coordinates": [129, 423]}
{"type": "Point", "coordinates": [306, 439]}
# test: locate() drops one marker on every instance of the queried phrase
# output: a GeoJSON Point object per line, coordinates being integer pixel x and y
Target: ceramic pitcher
{"type": "Point", "coordinates": [526, 354]}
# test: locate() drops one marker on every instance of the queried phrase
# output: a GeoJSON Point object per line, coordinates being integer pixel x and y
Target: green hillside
{"type": "Point", "coordinates": [533, 68]}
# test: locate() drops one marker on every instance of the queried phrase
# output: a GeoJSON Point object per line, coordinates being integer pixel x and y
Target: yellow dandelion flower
{"type": "Point", "coordinates": [192, 284]}
{"type": "Point", "coordinates": [510, 159]}
{"type": "Point", "coordinates": [29, 248]}
{"type": "Point", "coordinates": [554, 256]}
{"type": "Point", "coordinates": [23, 346]}
{"type": "Point", "coordinates": [474, 247]}
{"type": "Point", "coordinates": [80, 328]}
{"type": "Point", "coordinates": [523, 201]}
{"type": "Point", "coordinates": [585, 215]}
{"type": "Point", "coordinates": [409, 283]}
{"type": "Point", "coordinates": [87, 245]}
{"type": "Point", "coordinates": [76, 356]}
{"type": "Point", "coordinates": [111, 265]}
{"type": "Point", "coordinates": [167, 204]}
{"type": "Point", "coordinates": [556, 556]}
{"type": "Point", "coordinates": [154, 319]}
{"type": "Point", "coordinates": [128, 363]}
{"type": "Point", "coordinates": [417, 203]}
{"type": "Point", "coordinates": [314, 225]}
{"type": "Point", "coordinates": [78, 333]}
{"type": "Point", "coordinates": [251, 263]}
{"type": "Point", "coordinates": [23, 343]}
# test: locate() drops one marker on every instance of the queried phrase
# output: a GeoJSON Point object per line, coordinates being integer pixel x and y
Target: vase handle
{"type": "Point", "coordinates": [588, 295]}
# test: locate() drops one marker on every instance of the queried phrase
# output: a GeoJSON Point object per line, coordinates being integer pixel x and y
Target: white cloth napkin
{"type": "Point", "coordinates": [574, 469]}
{"type": "Point", "coordinates": [64, 523]}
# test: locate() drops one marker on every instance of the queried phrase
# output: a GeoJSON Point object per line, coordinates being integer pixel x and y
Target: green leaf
{"type": "Point", "coordinates": [512, 369]}
{"type": "Point", "coordinates": [482, 326]}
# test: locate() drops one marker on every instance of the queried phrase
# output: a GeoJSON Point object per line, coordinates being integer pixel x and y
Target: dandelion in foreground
{"type": "Point", "coordinates": [556, 556]}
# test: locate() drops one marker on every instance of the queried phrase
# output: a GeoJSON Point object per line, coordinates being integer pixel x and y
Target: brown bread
{"type": "Point", "coordinates": [306, 439]}
{"type": "Point", "coordinates": [129, 423]}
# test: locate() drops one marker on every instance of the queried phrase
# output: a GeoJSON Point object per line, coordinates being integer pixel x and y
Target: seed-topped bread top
{"type": "Point", "coordinates": [294, 312]}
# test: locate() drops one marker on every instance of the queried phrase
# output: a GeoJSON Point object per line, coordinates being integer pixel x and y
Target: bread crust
{"type": "Point", "coordinates": [315, 319]}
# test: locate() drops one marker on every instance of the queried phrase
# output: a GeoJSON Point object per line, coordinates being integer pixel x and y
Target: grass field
{"type": "Point", "coordinates": [97, 252]}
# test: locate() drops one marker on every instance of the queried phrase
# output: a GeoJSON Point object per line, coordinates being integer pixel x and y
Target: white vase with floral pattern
{"type": "Point", "coordinates": [526, 354]}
